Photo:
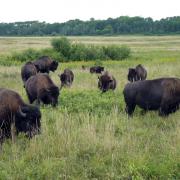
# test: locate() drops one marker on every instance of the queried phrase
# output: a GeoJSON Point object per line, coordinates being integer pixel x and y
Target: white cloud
{"type": "Point", "coordinates": [63, 10]}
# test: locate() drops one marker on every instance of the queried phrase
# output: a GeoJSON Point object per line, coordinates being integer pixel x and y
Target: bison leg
{"type": "Point", "coordinates": [1, 139]}
{"type": "Point", "coordinates": [163, 111]}
{"type": "Point", "coordinates": [38, 102]}
{"type": "Point", "coordinates": [130, 109]}
{"type": "Point", "coordinates": [167, 109]}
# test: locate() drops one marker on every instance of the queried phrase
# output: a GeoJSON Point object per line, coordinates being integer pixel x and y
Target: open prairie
{"type": "Point", "coordinates": [88, 135]}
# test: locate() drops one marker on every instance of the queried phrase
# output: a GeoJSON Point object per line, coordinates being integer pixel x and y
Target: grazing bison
{"type": "Point", "coordinates": [136, 74]}
{"type": "Point", "coordinates": [15, 113]}
{"type": "Point", "coordinates": [28, 70]}
{"type": "Point", "coordinates": [158, 94]}
{"type": "Point", "coordinates": [96, 69]}
{"type": "Point", "coordinates": [106, 82]}
{"type": "Point", "coordinates": [45, 64]}
{"type": "Point", "coordinates": [41, 88]}
{"type": "Point", "coordinates": [66, 77]}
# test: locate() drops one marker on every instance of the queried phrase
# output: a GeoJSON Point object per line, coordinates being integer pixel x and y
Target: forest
{"type": "Point", "coordinates": [117, 26]}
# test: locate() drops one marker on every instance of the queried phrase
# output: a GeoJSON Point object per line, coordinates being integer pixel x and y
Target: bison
{"type": "Point", "coordinates": [159, 94]}
{"type": "Point", "coordinates": [137, 73]}
{"type": "Point", "coordinates": [96, 69]}
{"type": "Point", "coordinates": [28, 70]}
{"type": "Point", "coordinates": [66, 77]}
{"type": "Point", "coordinates": [106, 82]}
{"type": "Point", "coordinates": [40, 87]}
{"type": "Point", "coordinates": [45, 64]}
{"type": "Point", "coordinates": [14, 112]}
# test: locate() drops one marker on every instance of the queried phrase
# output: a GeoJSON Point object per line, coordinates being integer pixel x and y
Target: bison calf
{"type": "Point", "coordinates": [28, 70]}
{"type": "Point", "coordinates": [137, 73]}
{"type": "Point", "coordinates": [45, 64]}
{"type": "Point", "coordinates": [41, 88]}
{"type": "Point", "coordinates": [158, 94]}
{"type": "Point", "coordinates": [14, 112]}
{"type": "Point", "coordinates": [106, 82]}
{"type": "Point", "coordinates": [66, 78]}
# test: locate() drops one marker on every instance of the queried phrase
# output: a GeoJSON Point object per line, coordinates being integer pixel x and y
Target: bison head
{"type": "Point", "coordinates": [104, 82]}
{"type": "Point", "coordinates": [50, 96]}
{"type": "Point", "coordinates": [100, 69]}
{"type": "Point", "coordinates": [53, 66]}
{"type": "Point", "coordinates": [28, 120]}
{"type": "Point", "coordinates": [65, 79]}
{"type": "Point", "coordinates": [132, 75]}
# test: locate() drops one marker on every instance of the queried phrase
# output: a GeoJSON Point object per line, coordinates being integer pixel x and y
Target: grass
{"type": "Point", "coordinates": [88, 136]}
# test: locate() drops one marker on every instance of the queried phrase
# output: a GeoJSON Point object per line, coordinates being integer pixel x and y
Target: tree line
{"type": "Point", "coordinates": [110, 26]}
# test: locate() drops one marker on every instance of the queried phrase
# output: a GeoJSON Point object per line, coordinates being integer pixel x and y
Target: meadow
{"type": "Point", "coordinates": [88, 135]}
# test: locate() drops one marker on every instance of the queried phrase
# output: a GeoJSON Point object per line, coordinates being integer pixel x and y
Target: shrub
{"type": "Point", "coordinates": [52, 53]}
{"type": "Point", "coordinates": [116, 53]}
{"type": "Point", "coordinates": [29, 54]}
{"type": "Point", "coordinates": [78, 52]}
{"type": "Point", "coordinates": [62, 45]}
{"type": "Point", "coordinates": [94, 53]}
{"type": "Point", "coordinates": [63, 50]}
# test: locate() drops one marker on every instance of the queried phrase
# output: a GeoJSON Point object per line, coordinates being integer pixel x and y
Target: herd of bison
{"type": "Point", "coordinates": [161, 94]}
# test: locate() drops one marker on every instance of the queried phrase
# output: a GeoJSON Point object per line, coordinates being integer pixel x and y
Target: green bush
{"type": "Point", "coordinates": [62, 45]}
{"type": "Point", "coordinates": [52, 53]}
{"type": "Point", "coordinates": [78, 52]}
{"type": "Point", "coordinates": [27, 55]}
{"type": "Point", "coordinates": [82, 52]}
{"type": "Point", "coordinates": [63, 50]}
{"type": "Point", "coordinates": [94, 53]}
{"type": "Point", "coordinates": [32, 54]}
{"type": "Point", "coordinates": [117, 53]}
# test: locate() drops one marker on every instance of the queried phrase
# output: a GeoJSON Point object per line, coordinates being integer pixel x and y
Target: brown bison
{"type": "Point", "coordinates": [15, 112]}
{"type": "Point", "coordinates": [96, 69]}
{"type": "Point", "coordinates": [158, 94]}
{"type": "Point", "coordinates": [106, 82]}
{"type": "Point", "coordinates": [41, 88]}
{"type": "Point", "coordinates": [28, 70]}
{"type": "Point", "coordinates": [137, 73]}
{"type": "Point", "coordinates": [66, 78]}
{"type": "Point", "coordinates": [45, 64]}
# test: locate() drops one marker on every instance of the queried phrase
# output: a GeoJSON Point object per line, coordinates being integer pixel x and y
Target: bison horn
{"type": "Point", "coordinates": [21, 113]}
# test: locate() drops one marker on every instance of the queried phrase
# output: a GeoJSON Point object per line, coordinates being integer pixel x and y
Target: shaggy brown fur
{"type": "Point", "coordinates": [106, 82]}
{"type": "Point", "coordinates": [13, 110]}
{"type": "Point", "coordinates": [41, 88]}
{"type": "Point", "coordinates": [28, 70]}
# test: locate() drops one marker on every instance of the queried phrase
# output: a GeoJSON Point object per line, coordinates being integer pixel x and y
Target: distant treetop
{"type": "Point", "coordinates": [110, 26]}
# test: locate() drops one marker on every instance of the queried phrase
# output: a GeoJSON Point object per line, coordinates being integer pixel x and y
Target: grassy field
{"type": "Point", "coordinates": [88, 136]}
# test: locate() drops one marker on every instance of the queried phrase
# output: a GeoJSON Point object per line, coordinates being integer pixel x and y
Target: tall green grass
{"type": "Point", "coordinates": [89, 136]}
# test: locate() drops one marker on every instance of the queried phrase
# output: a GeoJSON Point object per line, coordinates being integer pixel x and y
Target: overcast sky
{"type": "Point", "coordinates": [64, 10]}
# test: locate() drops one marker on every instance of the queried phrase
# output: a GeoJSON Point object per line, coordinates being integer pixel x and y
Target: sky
{"type": "Point", "coordinates": [63, 10]}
